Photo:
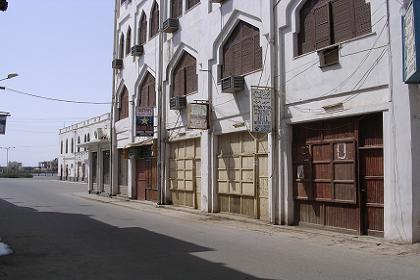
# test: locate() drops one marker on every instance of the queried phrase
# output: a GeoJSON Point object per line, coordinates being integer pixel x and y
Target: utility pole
{"type": "Point", "coordinates": [7, 155]}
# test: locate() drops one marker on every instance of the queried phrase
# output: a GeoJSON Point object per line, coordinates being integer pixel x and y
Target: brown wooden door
{"type": "Point", "coordinates": [372, 175]}
{"type": "Point", "coordinates": [146, 179]}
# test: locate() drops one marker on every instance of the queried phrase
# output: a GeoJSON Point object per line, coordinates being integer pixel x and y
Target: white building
{"type": "Point", "coordinates": [334, 158]}
{"type": "Point", "coordinates": [82, 149]}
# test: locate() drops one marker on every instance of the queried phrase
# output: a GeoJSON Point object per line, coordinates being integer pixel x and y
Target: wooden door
{"type": "Point", "coordinates": [372, 175]}
{"type": "Point", "coordinates": [141, 178]}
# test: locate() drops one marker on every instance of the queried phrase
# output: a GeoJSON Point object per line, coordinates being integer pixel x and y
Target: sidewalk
{"type": "Point", "coordinates": [374, 245]}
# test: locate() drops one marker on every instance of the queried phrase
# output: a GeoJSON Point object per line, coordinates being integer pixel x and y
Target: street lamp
{"type": "Point", "coordinates": [10, 76]}
{"type": "Point", "coordinates": [7, 155]}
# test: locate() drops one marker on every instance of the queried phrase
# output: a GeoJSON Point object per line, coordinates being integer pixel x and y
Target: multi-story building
{"type": "Point", "coordinates": [340, 153]}
{"type": "Point", "coordinates": [85, 153]}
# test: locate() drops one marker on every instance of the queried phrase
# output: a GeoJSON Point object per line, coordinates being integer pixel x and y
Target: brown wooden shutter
{"type": "Point", "coordinates": [152, 94]}
{"type": "Point", "coordinates": [191, 79]}
{"type": "Point", "coordinates": [322, 26]}
{"type": "Point", "coordinates": [121, 48]}
{"type": "Point", "coordinates": [176, 8]}
{"type": "Point", "coordinates": [342, 20]}
{"type": "Point", "coordinates": [143, 29]}
{"type": "Point", "coordinates": [247, 55]}
{"type": "Point", "coordinates": [307, 30]}
{"type": "Point", "coordinates": [179, 83]}
{"type": "Point", "coordinates": [258, 59]}
{"type": "Point", "coordinates": [128, 42]}
{"type": "Point", "coordinates": [362, 17]}
{"type": "Point", "coordinates": [237, 59]}
{"type": "Point", "coordinates": [154, 21]}
{"type": "Point", "coordinates": [123, 112]}
{"type": "Point", "coordinates": [192, 3]}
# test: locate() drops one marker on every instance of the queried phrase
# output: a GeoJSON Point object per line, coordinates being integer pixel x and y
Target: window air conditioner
{"type": "Point", "coordinates": [137, 50]}
{"type": "Point", "coordinates": [170, 25]}
{"type": "Point", "coordinates": [117, 64]}
{"type": "Point", "coordinates": [233, 84]}
{"type": "Point", "coordinates": [178, 102]}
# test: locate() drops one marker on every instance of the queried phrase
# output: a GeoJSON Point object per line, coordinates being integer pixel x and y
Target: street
{"type": "Point", "coordinates": [57, 235]}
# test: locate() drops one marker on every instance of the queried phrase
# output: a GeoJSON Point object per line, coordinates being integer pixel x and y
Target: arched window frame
{"type": "Point", "coordinates": [242, 53]}
{"type": "Point", "coordinates": [128, 42]}
{"type": "Point", "coordinates": [154, 20]}
{"type": "Point", "coordinates": [121, 47]}
{"type": "Point", "coordinates": [123, 105]}
{"type": "Point", "coordinates": [322, 23]}
{"type": "Point", "coordinates": [184, 76]}
{"type": "Point", "coordinates": [72, 146]}
{"type": "Point", "coordinates": [143, 29]}
{"type": "Point", "coordinates": [147, 92]}
{"type": "Point", "coordinates": [67, 146]}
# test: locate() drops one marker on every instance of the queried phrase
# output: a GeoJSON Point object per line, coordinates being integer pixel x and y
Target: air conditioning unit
{"type": "Point", "coordinates": [329, 57]}
{"type": "Point", "coordinates": [117, 64]}
{"type": "Point", "coordinates": [178, 102]}
{"type": "Point", "coordinates": [233, 84]}
{"type": "Point", "coordinates": [217, 1]}
{"type": "Point", "coordinates": [170, 25]}
{"type": "Point", "coordinates": [100, 133]}
{"type": "Point", "coordinates": [3, 5]}
{"type": "Point", "coordinates": [137, 50]}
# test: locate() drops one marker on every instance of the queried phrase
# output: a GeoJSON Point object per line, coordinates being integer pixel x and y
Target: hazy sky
{"type": "Point", "coordinates": [59, 48]}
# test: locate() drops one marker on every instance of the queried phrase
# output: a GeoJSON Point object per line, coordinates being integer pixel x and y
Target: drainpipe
{"type": "Point", "coordinates": [111, 128]}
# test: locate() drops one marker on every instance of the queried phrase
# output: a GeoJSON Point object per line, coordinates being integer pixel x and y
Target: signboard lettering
{"type": "Point", "coordinates": [144, 122]}
{"type": "Point", "coordinates": [261, 109]}
{"type": "Point", "coordinates": [198, 116]}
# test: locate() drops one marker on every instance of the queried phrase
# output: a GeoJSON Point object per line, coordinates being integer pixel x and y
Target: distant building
{"type": "Point", "coordinates": [83, 147]}
{"type": "Point", "coordinates": [48, 166]}
{"type": "Point", "coordinates": [15, 166]}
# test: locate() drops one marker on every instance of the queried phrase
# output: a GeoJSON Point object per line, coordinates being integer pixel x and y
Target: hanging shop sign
{"type": "Point", "coordinates": [144, 122]}
{"type": "Point", "coordinates": [411, 43]}
{"type": "Point", "coordinates": [198, 116]}
{"type": "Point", "coordinates": [261, 109]}
{"type": "Point", "coordinates": [3, 118]}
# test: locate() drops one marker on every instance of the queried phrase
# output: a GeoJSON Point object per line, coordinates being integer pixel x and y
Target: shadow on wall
{"type": "Point", "coordinates": [52, 245]}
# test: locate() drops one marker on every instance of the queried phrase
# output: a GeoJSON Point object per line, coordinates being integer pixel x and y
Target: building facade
{"type": "Point", "coordinates": [80, 145]}
{"type": "Point", "coordinates": [185, 76]}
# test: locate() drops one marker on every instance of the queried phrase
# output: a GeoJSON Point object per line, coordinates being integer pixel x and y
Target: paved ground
{"type": "Point", "coordinates": [56, 234]}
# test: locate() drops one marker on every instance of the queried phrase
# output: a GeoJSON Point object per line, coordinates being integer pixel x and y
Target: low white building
{"type": "Point", "coordinates": [78, 159]}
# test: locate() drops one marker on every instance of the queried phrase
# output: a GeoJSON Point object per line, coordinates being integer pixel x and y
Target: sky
{"type": "Point", "coordinates": [60, 49]}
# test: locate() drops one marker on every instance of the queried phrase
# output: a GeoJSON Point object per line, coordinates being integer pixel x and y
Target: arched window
{"type": "Point", "coordinates": [67, 146]}
{"type": "Point", "coordinates": [88, 137]}
{"type": "Point", "coordinates": [78, 142]}
{"type": "Point", "coordinates": [242, 52]}
{"type": "Point", "coordinates": [143, 29]}
{"type": "Point", "coordinates": [72, 145]}
{"type": "Point", "coordinates": [154, 20]}
{"type": "Point", "coordinates": [176, 8]}
{"type": "Point", "coordinates": [121, 47]}
{"type": "Point", "coordinates": [123, 105]}
{"type": "Point", "coordinates": [61, 147]}
{"type": "Point", "coordinates": [147, 92]}
{"type": "Point", "coordinates": [185, 78]}
{"type": "Point", "coordinates": [128, 42]}
{"type": "Point", "coordinates": [327, 22]}
{"type": "Point", "coordinates": [85, 139]}
{"type": "Point", "coordinates": [192, 3]}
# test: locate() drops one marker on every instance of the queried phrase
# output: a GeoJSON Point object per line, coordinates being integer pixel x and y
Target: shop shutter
{"type": "Point", "coordinates": [192, 3]}
{"type": "Point", "coordinates": [154, 21]}
{"type": "Point", "coordinates": [176, 8]}
{"type": "Point", "coordinates": [362, 17]}
{"type": "Point", "coordinates": [322, 26]}
{"type": "Point", "coordinates": [343, 20]}
{"type": "Point", "coordinates": [143, 29]}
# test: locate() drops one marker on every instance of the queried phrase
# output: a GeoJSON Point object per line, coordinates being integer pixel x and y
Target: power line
{"type": "Point", "coordinates": [56, 99]}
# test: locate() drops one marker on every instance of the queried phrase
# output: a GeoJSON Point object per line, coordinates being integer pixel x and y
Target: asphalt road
{"type": "Point", "coordinates": [57, 235]}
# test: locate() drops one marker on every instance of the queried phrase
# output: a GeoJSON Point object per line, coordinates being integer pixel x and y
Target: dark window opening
{"type": "Point", "coordinates": [185, 78]}
{"type": "Point", "coordinates": [176, 8]}
{"type": "Point", "coordinates": [143, 29]}
{"type": "Point", "coordinates": [128, 42]}
{"type": "Point", "coordinates": [123, 105]}
{"type": "Point", "coordinates": [147, 92]}
{"type": "Point", "coordinates": [154, 20]}
{"type": "Point", "coordinates": [192, 3]}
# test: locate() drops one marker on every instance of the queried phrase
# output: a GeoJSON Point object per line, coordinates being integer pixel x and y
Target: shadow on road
{"type": "Point", "coordinates": [56, 246]}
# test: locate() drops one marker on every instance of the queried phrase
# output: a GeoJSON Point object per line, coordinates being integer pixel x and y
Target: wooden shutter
{"type": "Point", "coordinates": [121, 48]}
{"type": "Point", "coordinates": [258, 59]}
{"type": "Point", "coordinates": [343, 20]}
{"type": "Point", "coordinates": [179, 80]}
{"type": "Point", "coordinates": [143, 29]}
{"type": "Point", "coordinates": [176, 8]}
{"type": "Point", "coordinates": [123, 112]}
{"type": "Point", "coordinates": [237, 59]}
{"type": "Point", "coordinates": [191, 79]}
{"type": "Point", "coordinates": [362, 17]}
{"type": "Point", "coordinates": [192, 3]}
{"type": "Point", "coordinates": [306, 39]}
{"type": "Point", "coordinates": [154, 20]}
{"type": "Point", "coordinates": [322, 26]}
{"type": "Point", "coordinates": [185, 76]}
{"type": "Point", "coordinates": [128, 42]}
{"type": "Point", "coordinates": [247, 55]}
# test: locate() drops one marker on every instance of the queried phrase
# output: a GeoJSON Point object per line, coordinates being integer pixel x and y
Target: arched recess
{"type": "Point", "coordinates": [121, 47]}
{"type": "Point", "coordinates": [122, 103]}
{"type": "Point", "coordinates": [327, 22]}
{"type": "Point", "coordinates": [128, 42]}
{"type": "Point", "coordinates": [143, 29]}
{"type": "Point", "coordinates": [154, 20]}
{"type": "Point", "coordinates": [184, 76]}
{"type": "Point", "coordinates": [242, 52]}
{"type": "Point", "coordinates": [147, 91]}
